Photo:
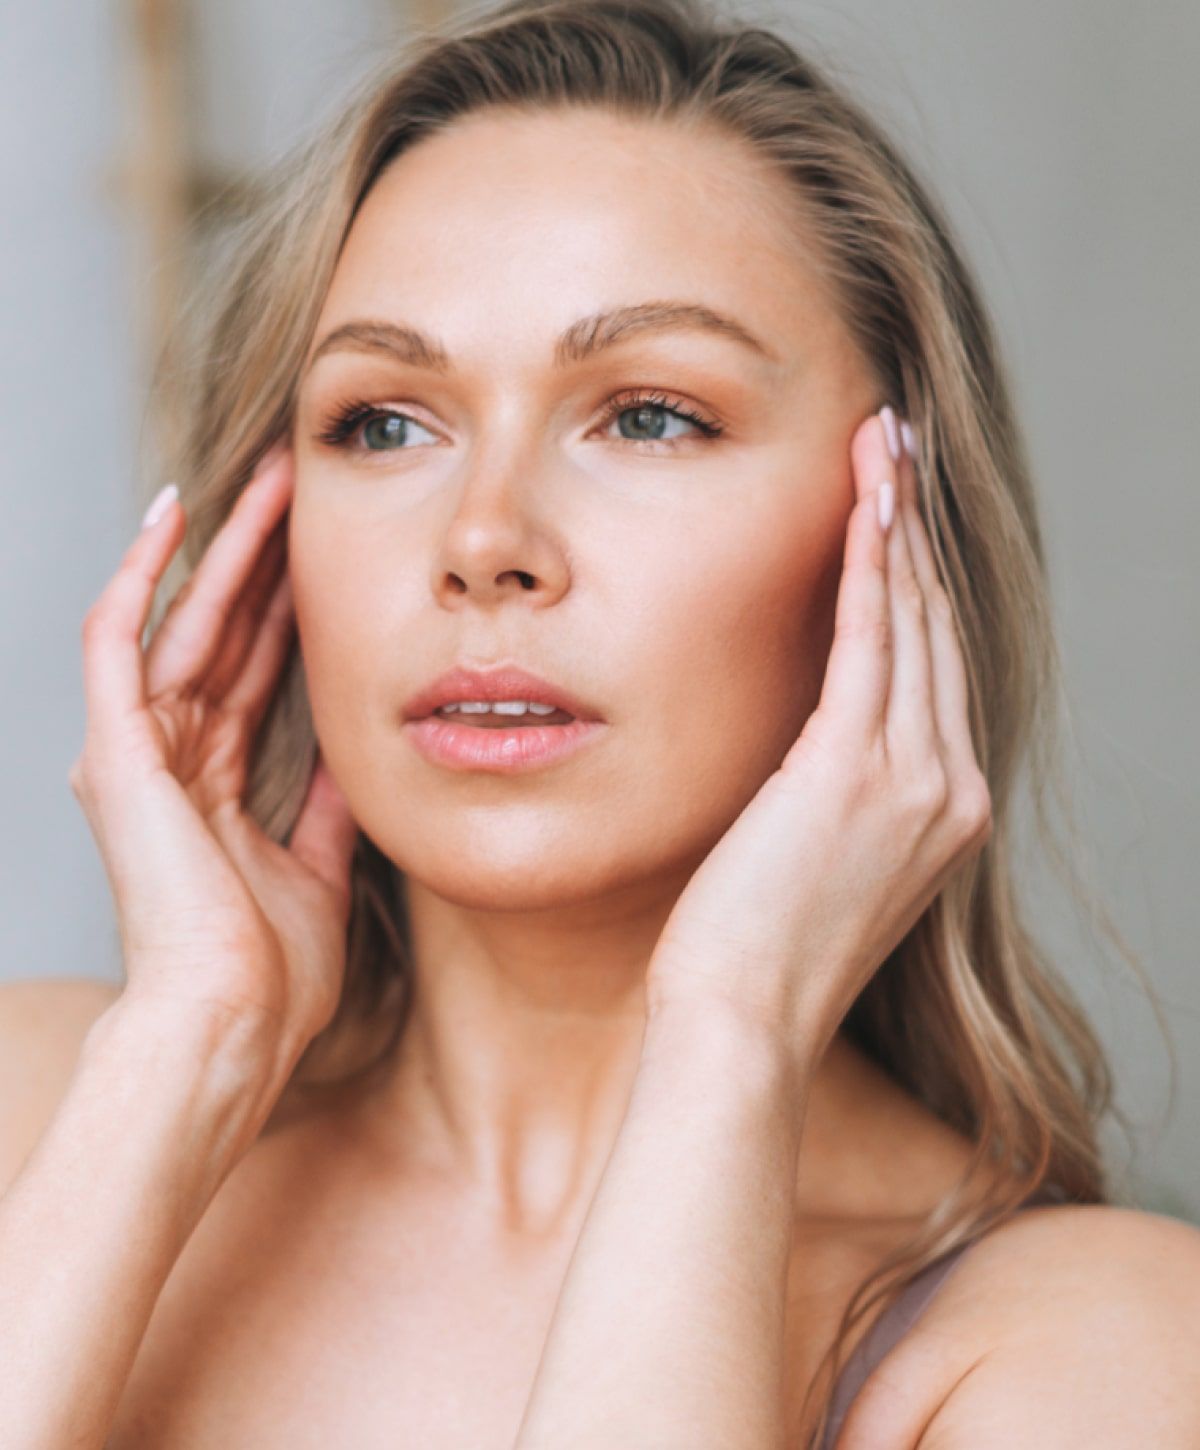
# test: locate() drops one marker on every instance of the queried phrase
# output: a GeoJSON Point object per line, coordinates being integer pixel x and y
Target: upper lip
{"type": "Point", "coordinates": [502, 682]}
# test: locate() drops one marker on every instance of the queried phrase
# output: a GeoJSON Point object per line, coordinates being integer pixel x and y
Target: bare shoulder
{"type": "Point", "coordinates": [43, 1023]}
{"type": "Point", "coordinates": [1066, 1326]}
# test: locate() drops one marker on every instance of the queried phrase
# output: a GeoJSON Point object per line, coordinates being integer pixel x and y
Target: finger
{"type": "Point", "coordinates": [251, 693]}
{"type": "Point", "coordinates": [246, 619]}
{"type": "Point", "coordinates": [911, 729]}
{"type": "Point", "coordinates": [325, 832]}
{"type": "Point", "coordinates": [858, 673]}
{"type": "Point", "coordinates": [189, 637]}
{"type": "Point", "coordinates": [950, 686]}
{"type": "Point", "coordinates": [114, 678]}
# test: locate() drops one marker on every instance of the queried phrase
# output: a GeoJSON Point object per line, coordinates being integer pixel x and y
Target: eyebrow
{"type": "Point", "coordinates": [583, 339]}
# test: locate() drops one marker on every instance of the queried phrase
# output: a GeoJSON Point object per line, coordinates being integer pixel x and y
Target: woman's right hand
{"type": "Point", "coordinates": [213, 914]}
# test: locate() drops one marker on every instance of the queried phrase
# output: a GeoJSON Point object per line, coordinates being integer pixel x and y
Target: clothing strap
{"type": "Point", "coordinates": [898, 1319]}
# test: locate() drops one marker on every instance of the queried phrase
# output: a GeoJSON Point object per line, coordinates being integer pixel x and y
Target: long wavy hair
{"type": "Point", "coordinates": [968, 1013]}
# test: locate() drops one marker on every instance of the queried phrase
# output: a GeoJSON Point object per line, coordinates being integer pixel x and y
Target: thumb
{"type": "Point", "coordinates": [325, 833]}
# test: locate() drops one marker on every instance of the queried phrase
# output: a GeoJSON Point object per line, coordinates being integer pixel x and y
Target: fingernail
{"type": "Point", "coordinates": [887, 504]}
{"type": "Point", "coordinates": [893, 434]}
{"type": "Point", "coordinates": [161, 502]}
{"type": "Point", "coordinates": [910, 438]}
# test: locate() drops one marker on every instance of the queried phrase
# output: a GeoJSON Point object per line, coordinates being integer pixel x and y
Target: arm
{"type": "Point", "coordinates": [668, 1332]}
{"type": "Point", "coordinates": [874, 808]}
{"type": "Point", "coordinates": [1100, 1349]}
{"type": "Point", "coordinates": [162, 1104]}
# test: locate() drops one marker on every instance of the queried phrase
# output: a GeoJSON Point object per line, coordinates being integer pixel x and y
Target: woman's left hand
{"type": "Point", "coordinates": [879, 801]}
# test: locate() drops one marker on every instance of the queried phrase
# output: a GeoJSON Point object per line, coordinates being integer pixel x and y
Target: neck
{"type": "Point", "coordinates": [522, 1044]}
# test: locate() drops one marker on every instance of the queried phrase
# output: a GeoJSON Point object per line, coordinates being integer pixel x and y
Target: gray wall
{"type": "Point", "coordinates": [1062, 136]}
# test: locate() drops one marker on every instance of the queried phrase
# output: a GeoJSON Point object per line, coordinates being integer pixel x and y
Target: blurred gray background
{"type": "Point", "coordinates": [1063, 136]}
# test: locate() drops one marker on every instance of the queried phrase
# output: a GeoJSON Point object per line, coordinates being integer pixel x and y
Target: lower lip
{"type": "Point", "coordinates": [524, 747]}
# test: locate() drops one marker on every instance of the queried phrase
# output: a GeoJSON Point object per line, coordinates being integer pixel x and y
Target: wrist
{"type": "Point", "coordinates": [213, 1073]}
{"type": "Point", "coordinates": [251, 1040]}
{"type": "Point", "coordinates": [728, 1053]}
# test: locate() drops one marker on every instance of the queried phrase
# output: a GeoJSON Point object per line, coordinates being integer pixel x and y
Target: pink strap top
{"type": "Point", "coordinates": [899, 1317]}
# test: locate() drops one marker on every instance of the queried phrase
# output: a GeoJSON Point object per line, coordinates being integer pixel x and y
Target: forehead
{"type": "Point", "coordinates": [537, 214]}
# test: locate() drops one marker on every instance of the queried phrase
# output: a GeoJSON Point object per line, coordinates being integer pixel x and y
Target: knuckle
{"type": "Point", "coordinates": [81, 777]}
{"type": "Point", "coordinates": [861, 779]}
{"type": "Point", "coordinates": [975, 808]}
{"type": "Point", "coordinates": [928, 791]}
{"type": "Point", "coordinates": [93, 623]}
{"type": "Point", "coordinates": [939, 605]}
{"type": "Point", "coordinates": [873, 630]}
{"type": "Point", "coordinates": [911, 593]}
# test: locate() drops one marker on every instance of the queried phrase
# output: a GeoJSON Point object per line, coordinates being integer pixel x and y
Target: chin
{"type": "Point", "coordinates": [506, 870]}
{"type": "Point", "coordinates": [533, 883]}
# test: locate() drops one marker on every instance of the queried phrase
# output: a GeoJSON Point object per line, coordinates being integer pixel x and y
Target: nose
{"type": "Point", "coordinates": [498, 543]}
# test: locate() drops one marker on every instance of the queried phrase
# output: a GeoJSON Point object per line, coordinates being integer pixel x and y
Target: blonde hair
{"type": "Point", "coordinates": [967, 1013]}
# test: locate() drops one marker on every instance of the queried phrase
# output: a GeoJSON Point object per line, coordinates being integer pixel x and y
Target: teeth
{"type": "Point", "coordinates": [500, 707]}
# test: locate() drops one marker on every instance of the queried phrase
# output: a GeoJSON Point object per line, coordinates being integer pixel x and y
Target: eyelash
{"type": "Point", "coordinates": [351, 416]}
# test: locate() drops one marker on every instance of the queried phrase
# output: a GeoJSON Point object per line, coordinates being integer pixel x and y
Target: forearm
{"type": "Point", "coordinates": [668, 1333]}
{"type": "Point", "coordinates": [159, 1109]}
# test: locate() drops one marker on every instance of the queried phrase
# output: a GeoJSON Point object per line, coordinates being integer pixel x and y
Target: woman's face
{"type": "Point", "coordinates": [683, 580]}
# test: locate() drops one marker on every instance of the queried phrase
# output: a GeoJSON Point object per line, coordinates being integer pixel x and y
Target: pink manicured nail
{"type": "Point", "coordinates": [893, 433]}
{"type": "Point", "coordinates": [887, 503]}
{"type": "Point", "coordinates": [161, 502]}
{"type": "Point", "coordinates": [910, 441]}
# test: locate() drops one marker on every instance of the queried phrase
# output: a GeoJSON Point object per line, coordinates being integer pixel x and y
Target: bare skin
{"type": "Point", "coordinates": [386, 1270]}
{"type": "Point", "coordinates": [318, 1266]}
{"type": "Point", "coordinates": [686, 587]}
{"type": "Point", "coordinates": [684, 570]}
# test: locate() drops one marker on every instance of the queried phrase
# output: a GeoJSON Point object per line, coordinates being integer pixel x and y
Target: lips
{"type": "Point", "coordinates": [494, 721]}
{"type": "Point", "coordinates": [462, 749]}
{"type": "Point", "coordinates": [504, 682]}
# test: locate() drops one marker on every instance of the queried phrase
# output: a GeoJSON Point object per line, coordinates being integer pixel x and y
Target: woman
{"type": "Point", "coordinates": [634, 1077]}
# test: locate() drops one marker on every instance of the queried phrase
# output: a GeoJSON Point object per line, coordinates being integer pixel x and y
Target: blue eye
{"type": "Point", "coordinates": [644, 407]}
{"type": "Point", "coordinates": [385, 430]}
{"type": "Point", "coordinates": [355, 416]}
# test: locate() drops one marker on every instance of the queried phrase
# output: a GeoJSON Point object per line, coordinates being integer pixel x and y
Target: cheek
{"type": "Point", "coordinates": [340, 620]}
{"type": "Point", "coordinates": [710, 644]}
{"type": "Point", "coordinates": [740, 647]}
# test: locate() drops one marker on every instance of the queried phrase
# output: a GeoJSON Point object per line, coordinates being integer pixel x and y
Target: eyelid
{"type": "Point", "coordinates": [344, 420]}
{"type": "Point", "coordinates": [706, 426]}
